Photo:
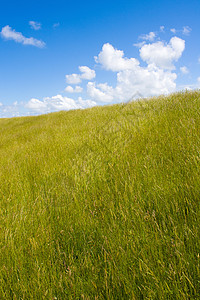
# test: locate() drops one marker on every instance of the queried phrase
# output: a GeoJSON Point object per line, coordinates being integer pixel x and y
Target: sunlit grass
{"type": "Point", "coordinates": [102, 203]}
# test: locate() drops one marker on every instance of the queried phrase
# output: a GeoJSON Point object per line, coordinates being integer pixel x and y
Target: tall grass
{"type": "Point", "coordinates": [102, 203]}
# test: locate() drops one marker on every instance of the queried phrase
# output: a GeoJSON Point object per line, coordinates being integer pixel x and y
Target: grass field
{"type": "Point", "coordinates": [102, 203]}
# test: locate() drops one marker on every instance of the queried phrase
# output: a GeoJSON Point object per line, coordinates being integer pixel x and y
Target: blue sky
{"type": "Point", "coordinates": [60, 55]}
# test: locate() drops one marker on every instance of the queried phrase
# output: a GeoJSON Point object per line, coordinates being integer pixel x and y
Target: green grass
{"type": "Point", "coordinates": [102, 203]}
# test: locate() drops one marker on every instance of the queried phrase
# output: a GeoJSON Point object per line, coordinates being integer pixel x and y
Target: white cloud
{"type": "Point", "coordinates": [35, 25]}
{"type": "Point", "coordinates": [163, 55]}
{"type": "Point", "coordinates": [86, 103]}
{"type": "Point", "coordinates": [1, 104]}
{"type": "Point", "coordinates": [57, 103]}
{"type": "Point", "coordinates": [87, 74]}
{"type": "Point", "coordinates": [139, 45]}
{"type": "Point", "coordinates": [148, 37]}
{"type": "Point", "coordinates": [103, 93]}
{"type": "Point", "coordinates": [149, 81]}
{"type": "Point", "coordinates": [10, 34]}
{"type": "Point", "coordinates": [186, 30]}
{"type": "Point", "coordinates": [78, 89]}
{"type": "Point", "coordinates": [199, 60]}
{"type": "Point", "coordinates": [198, 80]}
{"type": "Point", "coordinates": [70, 89]}
{"type": "Point", "coordinates": [36, 105]}
{"type": "Point", "coordinates": [162, 28]}
{"type": "Point", "coordinates": [113, 59]}
{"type": "Point", "coordinates": [132, 79]}
{"type": "Point", "coordinates": [184, 70]}
{"type": "Point", "coordinates": [73, 79]}
{"type": "Point", "coordinates": [173, 30]}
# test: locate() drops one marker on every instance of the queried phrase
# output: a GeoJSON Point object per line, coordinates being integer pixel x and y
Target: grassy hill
{"type": "Point", "coordinates": [102, 203]}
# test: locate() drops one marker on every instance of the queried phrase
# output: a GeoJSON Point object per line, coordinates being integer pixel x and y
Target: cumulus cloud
{"type": "Point", "coordinates": [148, 37]}
{"type": "Point", "coordinates": [85, 103]}
{"type": "Point", "coordinates": [73, 78]}
{"type": "Point", "coordinates": [70, 89]}
{"type": "Point", "coordinates": [10, 34]}
{"type": "Point", "coordinates": [184, 70]}
{"type": "Point", "coordinates": [57, 103]}
{"type": "Point", "coordinates": [163, 55]}
{"type": "Point", "coordinates": [133, 79]}
{"type": "Point", "coordinates": [36, 105]}
{"type": "Point", "coordinates": [35, 25]}
{"type": "Point", "coordinates": [87, 74]}
{"type": "Point", "coordinates": [113, 59]}
{"type": "Point", "coordinates": [157, 76]}
{"type": "Point", "coordinates": [101, 93]}
{"type": "Point", "coordinates": [149, 81]}
{"type": "Point", "coordinates": [198, 80]}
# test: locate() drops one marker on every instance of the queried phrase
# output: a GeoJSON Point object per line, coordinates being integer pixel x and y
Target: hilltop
{"type": "Point", "coordinates": [102, 203]}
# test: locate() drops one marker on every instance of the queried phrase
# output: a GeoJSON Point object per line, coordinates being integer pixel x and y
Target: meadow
{"type": "Point", "coordinates": [102, 203]}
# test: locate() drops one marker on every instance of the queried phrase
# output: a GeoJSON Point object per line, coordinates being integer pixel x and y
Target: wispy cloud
{"type": "Point", "coordinates": [162, 28]}
{"type": "Point", "coordinates": [185, 30]}
{"type": "Point", "coordinates": [35, 25]}
{"type": "Point", "coordinates": [184, 70]}
{"type": "Point", "coordinates": [10, 34]}
{"type": "Point", "coordinates": [56, 25]}
{"type": "Point", "coordinates": [139, 45]}
{"type": "Point", "coordinates": [148, 37]}
{"type": "Point", "coordinates": [152, 74]}
{"type": "Point", "coordinates": [13, 110]}
{"type": "Point", "coordinates": [173, 30]}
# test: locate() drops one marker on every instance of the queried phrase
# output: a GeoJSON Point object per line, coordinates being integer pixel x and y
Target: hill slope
{"type": "Point", "coordinates": [102, 203]}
